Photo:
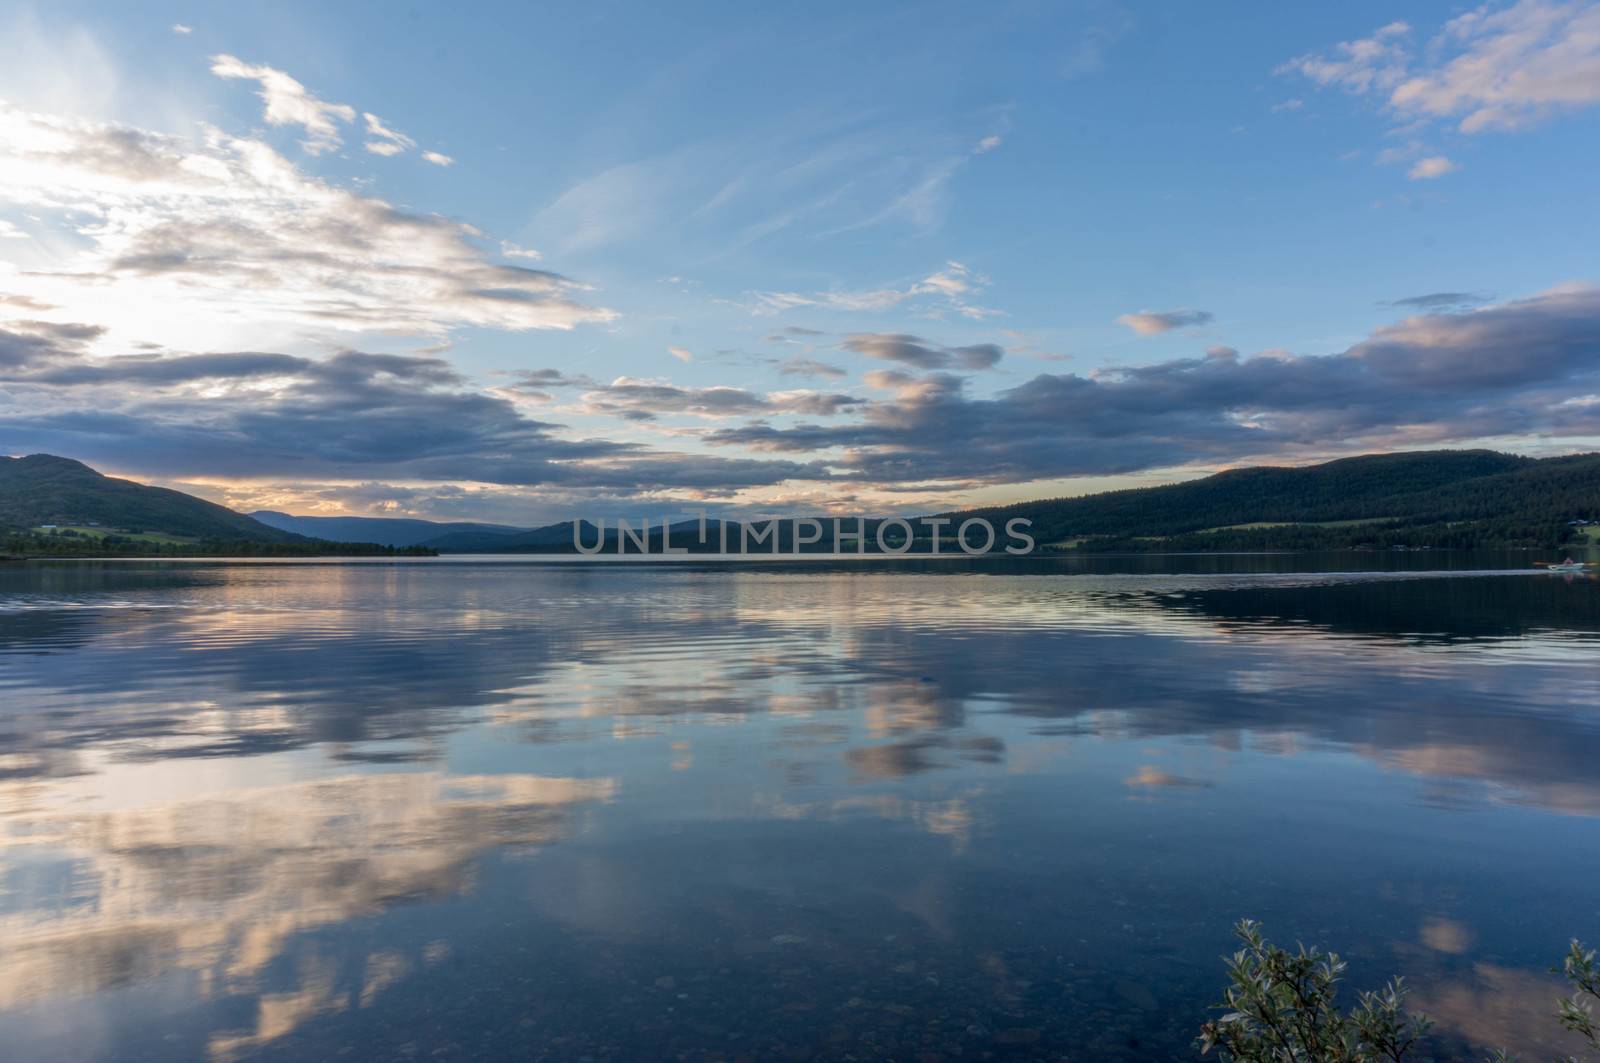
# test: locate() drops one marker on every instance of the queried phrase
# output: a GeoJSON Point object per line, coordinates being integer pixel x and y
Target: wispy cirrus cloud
{"type": "Point", "coordinates": [951, 288]}
{"type": "Point", "coordinates": [847, 173]}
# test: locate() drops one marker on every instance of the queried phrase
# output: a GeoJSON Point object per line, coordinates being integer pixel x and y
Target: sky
{"type": "Point", "coordinates": [523, 263]}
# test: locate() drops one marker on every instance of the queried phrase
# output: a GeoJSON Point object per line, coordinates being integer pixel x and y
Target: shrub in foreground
{"type": "Point", "coordinates": [1279, 1007]}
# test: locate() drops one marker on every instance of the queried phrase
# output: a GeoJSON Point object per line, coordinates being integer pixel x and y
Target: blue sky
{"type": "Point", "coordinates": [842, 256]}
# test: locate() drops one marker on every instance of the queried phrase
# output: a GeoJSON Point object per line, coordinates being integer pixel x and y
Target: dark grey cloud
{"type": "Point", "coordinates": [64, 333]}
{"type": "Point", "coordinates": [1525, 367]}
{"type": "Point", "coordinates": [644, 399]}
{"type": "Point", "coordinates": [20, 349]}
{"type": "Point", "coordinates": [918, 352]}
{"type": "Point", "coordinates": [1441, 301]}
{"type": "Point", "coordinates": [810, 367]}
{"type": "Point", "coordinates": [534, 382]}
{"type": "Point", "coordinates": [794, 334]}
{"type": "Point", "coordinates": [353, 415]}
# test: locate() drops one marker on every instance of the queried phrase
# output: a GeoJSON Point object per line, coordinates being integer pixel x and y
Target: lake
{"type": "Point", "coordinates": [469, 809]}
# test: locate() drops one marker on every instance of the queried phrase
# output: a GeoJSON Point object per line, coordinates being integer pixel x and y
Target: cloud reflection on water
{"type": "Point", "coordinates": [199, 755]}
{"type": "Point", "coordinates": [215, 887]}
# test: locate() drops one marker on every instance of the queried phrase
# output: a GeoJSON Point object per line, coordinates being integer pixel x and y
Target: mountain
{"type": "Point", "coordinates": [42, 489]}
{"type": "Point", "coordinates": [387, 531]}
{"type": "Point", "coordinates": [1436, 498]}
{"type": "Point", "coordinates": [557, 538]}
{"type": "Point", "coordinates": [1447, 498]}
{"type": "Point", "coordinates": [522, 540]}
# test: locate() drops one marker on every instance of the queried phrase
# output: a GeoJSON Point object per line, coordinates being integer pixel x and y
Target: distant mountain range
{"type": "Point", "coordinates": [389, 531]}
{"type": "Point", "coordinates": [1443, 498]}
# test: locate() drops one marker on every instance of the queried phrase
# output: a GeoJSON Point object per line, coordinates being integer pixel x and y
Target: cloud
{"type": "Point", "coordinates": [1359, 66]}
{"type": "Point", "coordinates": [1154, 322]}
{"type": "Point", "coordinates": [986, 145]}
{"type": "Point", "coordinates": [243, 239]}
{"type": "Point", "coordinates": [874, 299]}
{"type": "Point", "coordinates": [681, 354]}
{"type": "Point", "coordinates": [352, 416]}
{"type": "Point", "coordinates": [1509, 369]}
{"type": "Point", "coordinates": [1431, 167]}
{"type": "Point", "coordinates": [385, 141]}
{"type": "Point", "coordinates": [808, 174]}
{"type": "Point", "coordinates": [794, 335]}
{"type": "Point", "coordinates": [810, 367]}
{"type": "Point", "coordinates": [1288, 105]}
{"type": "Point", "coordinates": [1440, 301]}
{"type": "Point", "coordinates": [511, 250]}
{"type": "Point", "coordinates": [182, 30]}
{"type": "Point", "coordinates": [553, 378]}
{"type": "Point", "coordinates": [1090, 43]}
{"type": "Point", "coordinates": [230, 880]}
{"type": "Point", "coordinates": [1496, 67]}
{"type": "Point", "coordinates": [1516, 66]}
{"type": "Point", "coordinates": [8, 231]}
{"type": "Point", "coordinates": [634, 399]}
{"type": "Point", "coordinates": [915, 351]}
{"type": "Point", "coordinates": [953, 286]}
{"type": "Point", "coordinates": [289, 103]}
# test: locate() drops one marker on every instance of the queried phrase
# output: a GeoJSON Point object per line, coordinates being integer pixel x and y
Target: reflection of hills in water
{"type": "Point", "coordinates": [382, 665]}
{"type": "Point", "coordinates": [1421, 610]}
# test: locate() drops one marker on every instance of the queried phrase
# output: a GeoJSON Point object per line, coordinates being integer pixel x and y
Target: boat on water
{"type": "Point", "coordinates": [1568, 565]}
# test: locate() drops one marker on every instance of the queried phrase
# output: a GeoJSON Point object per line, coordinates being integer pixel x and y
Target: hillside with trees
{"type": "Point", "coordinates": [42, 490]}
{"type": "Point", "coordinates": [57, 507]}
{"type": "Point", "coordinates": [1440, 498]}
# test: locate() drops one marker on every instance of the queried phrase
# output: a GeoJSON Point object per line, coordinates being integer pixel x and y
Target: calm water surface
{"type": "Point", "coordinates": [474, 810]}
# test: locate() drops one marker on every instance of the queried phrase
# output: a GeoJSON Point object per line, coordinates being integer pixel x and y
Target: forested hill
{"type": "Point", "coordinates": [57, 507]}
{"type": "Point", "coordinates": [1440, 498]}
{"type": "Point", "coordinates": [42, 489]}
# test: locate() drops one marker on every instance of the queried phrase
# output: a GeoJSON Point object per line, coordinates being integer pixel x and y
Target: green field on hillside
{"type": "Point", "coordinates": [86, 532]}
